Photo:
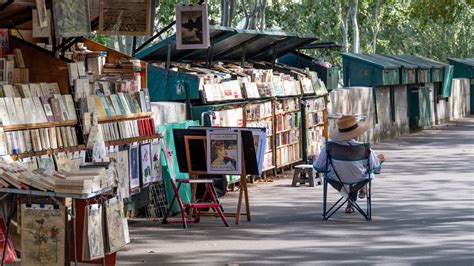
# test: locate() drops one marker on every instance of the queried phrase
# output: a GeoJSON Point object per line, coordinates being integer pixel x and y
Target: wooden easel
{"type": "Point", "coordinates": [243, 192]}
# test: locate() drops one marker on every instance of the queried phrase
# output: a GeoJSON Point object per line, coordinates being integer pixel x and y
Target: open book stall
{"type": "Point", "coordinates": [77, 135]}
{"type": "Point", "coordinates": [235, 83]}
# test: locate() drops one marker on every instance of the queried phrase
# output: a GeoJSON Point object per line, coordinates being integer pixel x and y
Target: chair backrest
{"type": "Point", "coordinates": [350, 163]}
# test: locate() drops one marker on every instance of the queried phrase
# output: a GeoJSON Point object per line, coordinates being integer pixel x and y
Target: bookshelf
{"type": "Point", "coordinates": [260, 114]}
{"type": "Point", "coordinates": [132, 140]}
{"type": "Point", "coordinates": [287, 131]}
{"type": "Point", "coordinates": [77, 148]}
{"type": "Point", "coordinates": [115, 118]}
{"type": "Point", "coordinates": [314, 124]}
{"type": "Point", "coordinates": [39, 125]}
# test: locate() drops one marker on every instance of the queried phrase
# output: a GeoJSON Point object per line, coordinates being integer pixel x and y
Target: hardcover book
{"type": "Point", "coordinates": [40, 114]}
{"type": "Point", "coordinates": [56, 109]}
{"type": "Point", "coordinates": [20, 114]}
{"type": "Point", "coordinates": [12, 114]}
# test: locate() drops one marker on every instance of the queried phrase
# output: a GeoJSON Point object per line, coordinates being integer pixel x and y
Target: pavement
{"type": "Point", "coordinates": [422, 214]}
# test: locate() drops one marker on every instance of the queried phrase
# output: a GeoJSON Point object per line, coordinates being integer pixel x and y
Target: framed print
{"type": "Point", "coordinates": [145, 164]}
{"type": "Point", "coordinates": [134, 168]}
{"type": "Point", "coordinates": [192, 27]}
{"type": "Point", "coordinates": [307, 85]}
{"type": "Point", "coordinates": [38, 30]}
{"type": "Point", "coordinates": [224, 152]}
{"type": "Point", "coordinates": [114, 226]}
{"type": "Point", "coordinates": [123, 174]}
{"type": "Point", "coordinates": [43, 235]}
{"type": "Point", "coordinates": [156, 170]}
{"type": "Point", "coordinates": [126, 17]}
{"type": "Point", "coordinates": [43, 20]}
{"type": "Point", "coordinates": [93, 235]}
{"type": "Point", "coordinates": [71, 18]}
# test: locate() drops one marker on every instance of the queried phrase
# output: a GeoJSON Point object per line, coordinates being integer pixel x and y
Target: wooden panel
{"type": "Point", "coordinates": [44, 67]}
{"type": "Point", "coordinates": [125, 117]}
{"type": "Point", "coordinates": [113, 55]}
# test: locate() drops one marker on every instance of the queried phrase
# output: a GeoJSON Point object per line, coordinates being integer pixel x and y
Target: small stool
{"type": "Point", "coordinates": [304, 173]}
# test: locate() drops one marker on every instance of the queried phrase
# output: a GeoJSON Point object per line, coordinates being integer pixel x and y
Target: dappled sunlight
{"type": "Point", "coordinates": [422, 206]}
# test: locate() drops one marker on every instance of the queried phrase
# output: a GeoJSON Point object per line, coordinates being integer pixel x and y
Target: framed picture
{"type": "Point", "coordinates": [156, 170]}
{"type": "Point", "coordinates": [126, 17]}
{"type": "Point", "coordinates": [145, 164]}
{"type": "Point", "coordinates": [192, 27]}
{"type": "Point", "coordinates": [134, 168]}
{"type": "Point", "coordinates": [224, 152]}
{"type": "Point", "coordinates": [38, 30]}
{"type": "Point", "coordinates": [71, 18]}
{"type": "Point", "coordinates": [123, 174]}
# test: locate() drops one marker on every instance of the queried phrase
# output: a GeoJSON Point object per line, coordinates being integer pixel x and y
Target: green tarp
{"type": "Point", "coordinates": [448, 80]}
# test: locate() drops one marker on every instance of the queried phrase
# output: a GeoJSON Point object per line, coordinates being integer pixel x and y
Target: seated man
{"type": "Point", "coordinates": [349, 130]}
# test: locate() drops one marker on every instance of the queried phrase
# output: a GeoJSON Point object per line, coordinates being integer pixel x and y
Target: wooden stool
{"type": "Point", "coordinates": [304, 173]}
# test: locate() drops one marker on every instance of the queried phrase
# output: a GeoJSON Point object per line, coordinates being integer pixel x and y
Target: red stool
{"type": "Point", "coordinates": [209, 192]}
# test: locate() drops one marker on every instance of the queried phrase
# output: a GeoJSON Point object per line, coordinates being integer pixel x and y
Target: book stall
{"type": "Point", "coordinates": [234, 84]}
{"type": "Point", "coordinates": [77, 137]}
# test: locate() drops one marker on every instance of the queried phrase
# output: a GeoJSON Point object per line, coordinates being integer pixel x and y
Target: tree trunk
{"type": "Point", "coordinates": [263, 6]}
{"type": "Point", "coordinates": [343, 16]}
{"type": "Point", "coordinates": [355, 26]}
{"type": "Point", "coordinates": [376, 27]}
{"type": "Point", "coordinates": [250, 20]}
{"type": "Point", "coordinates": [231, 13]}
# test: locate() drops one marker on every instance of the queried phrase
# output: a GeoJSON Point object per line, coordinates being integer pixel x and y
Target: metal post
{"type": "Point", "coordinates": [74, 230]}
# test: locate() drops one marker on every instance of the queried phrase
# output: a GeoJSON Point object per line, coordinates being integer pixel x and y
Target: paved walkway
{"type": "Point", "coordinates": [423, 213]}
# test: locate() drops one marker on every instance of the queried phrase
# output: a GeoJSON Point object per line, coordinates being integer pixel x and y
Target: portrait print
{"type": "Point", "coordinates": [192, 27]}
{"type": "Point", "coordinates": [224, 152]}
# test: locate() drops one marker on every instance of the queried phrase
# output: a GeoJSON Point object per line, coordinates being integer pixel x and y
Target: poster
{"type": "Point", "coordinates": [224, 152]}
{"type": "Point", "coordinates": [192, 27]}
{"type": "Point", "coordinates": [93, 239]}
{"type": "Point", "coordinates": [114, 226]}
{"type": "Point", "coordinates": [42, 234]}
{"type": "Point", "coordinates": [10, 254]}
{"type": "Point", "coordinates": [156, 171]}
{"type": "Point", "coordinates": [126, 17]}
{"type": "Point", "coordinates": [134, 168]}
{"type": "Point", "coordinates": [145, 164]}
{"type": "Point", "coordinates": [123, 174]}
{"type": "Point", "coordinates": [71, 18]}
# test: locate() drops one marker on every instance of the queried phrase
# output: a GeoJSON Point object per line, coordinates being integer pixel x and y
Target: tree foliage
{"type": "Point", "coordinates": [435, 29]}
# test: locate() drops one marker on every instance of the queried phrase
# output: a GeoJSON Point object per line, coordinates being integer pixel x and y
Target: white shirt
{"type": "Point", "coordinates": [348, 171]}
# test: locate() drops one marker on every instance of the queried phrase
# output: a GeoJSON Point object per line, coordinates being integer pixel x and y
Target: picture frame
{"type": "Point", "coordinates": [125, 17]}
{"type": "Point", "coordinates": [224, 152]}
{"type": "Point", "coordinates": [192, 27]}
{"type": "Point", "coordinates": [156, 170]}
{"type": "Point", "coordinates": [145, 164]}
{"type": "Point", "coordinates": [38, 30]}
{"type": "Point", "coordinates": [134, 168]}
{"type": "Point", "coordinates": [71, 18]}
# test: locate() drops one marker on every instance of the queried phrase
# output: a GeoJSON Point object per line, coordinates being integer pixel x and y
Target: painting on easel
{"type": "Point", "coordinates": [224, 152]}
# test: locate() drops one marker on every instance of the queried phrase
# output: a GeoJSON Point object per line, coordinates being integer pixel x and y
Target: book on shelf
{"type": "Point", "coordinates": [19, 58]}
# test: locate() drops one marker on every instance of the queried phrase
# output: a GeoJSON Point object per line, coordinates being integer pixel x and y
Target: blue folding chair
{"type": "Point", "coordinates": [339, 156]}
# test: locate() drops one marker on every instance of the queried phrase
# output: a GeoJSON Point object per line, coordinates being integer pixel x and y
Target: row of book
{"type": "Point", "coordinates": [314, 119]}
{"type": "Point", "coordinates": [267, 124]}
{"type": "Point", "coordinates": [26, 90]}
{"type": "Point", "coordinates": [128, 129]}
{"type": "Point", "coordinates": [259, 110]}
{"type": "Point", "coordinates": [228, 118]}
{"type": "Point", "coordinates": [35, 140]}
{"type": "Point", "coordinates": [315, 105]}
{"type": "Point", "coordinates": [285, 105]}
{"type": "Point", "coordinates": [288, 138]}
{"type": "Point", "coordinates": [84, 87]}
{"type": "Point", "coordinates": [59, 108]}
{"type": "Point", "coordinates": [287, 121]}
{"type": "Point", "coordinates": [288, 154]}
{"type": "Point", "coordinates": [115, 104]}
{"type": "Point", "coordinates": [315, 141]}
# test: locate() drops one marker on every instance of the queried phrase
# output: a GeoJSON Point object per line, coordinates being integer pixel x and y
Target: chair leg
{"type": "Point", "coordinates": [310, 173]}
{"type": "Point", "coordinates": [295, 178]}
{"type": "Point", "coordinates": [325, 189]}
{"type": "Point", "coordinates": [369, 201]}
{"type": "Point", "coordinates": [219, 211]}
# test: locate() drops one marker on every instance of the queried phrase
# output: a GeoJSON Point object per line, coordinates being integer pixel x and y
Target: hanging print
{"type": "Point", "coordinates": [224, 152]}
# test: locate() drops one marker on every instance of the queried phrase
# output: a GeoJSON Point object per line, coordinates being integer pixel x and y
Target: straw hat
{"type": "Point", "coordinates": [349, 128]}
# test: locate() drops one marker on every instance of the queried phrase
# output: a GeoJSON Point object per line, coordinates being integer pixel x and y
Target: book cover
{"type": "Point", "coordinates": [8, 90]}
{"type": "Point", "coordinates": [27, 138]}
{"type": "Point", "coordinates": [29, 110]}
{"type": "Point", "coordinates": [35, 90]}
{"type": "Point", "coordinates": [45, 89]}
{"type": "Point", "coordinates": [40, 111]}
{"type": "Point", "coordinates": [69, 137]}
{"type": "Point", "coordinates": [24, 90]}
{"type": "Point", "coordinates": [70, 106]}
{"type": "Point", "coordinates": [35, 139]}
{"type": "Point", "coordinates": [100, 106]}
{"type": "Point", "coordinates": [20, 114]}
{"type": "Point", "coordinates": [53, 88]}
{"type": "Point", "coordinates": [130, 103]}
{"type": "Point", "coordinates": [123, 103]}
{"type": "Point", "coordinates": [10, 65]}
{"type": "Point", "coordinates": [59, 137]}
{"type": "Point", "coordinates": [44, 135]}
{"type": "Point", "coordinates": [64, 137]}
{"type": "Point", "coordinates": [115, 105]}
{"type": "Point", "coordinates": [140, 96]}
{"type": "Point", "coordinates": [53, 140]}
{"type": "Point", "coordinates": [5, 119]}
{"type": "Point", "coordinates": [107, 106]}
{"type": "Point", "coordinates": [56, 109]}
{"type": "Point", "coordinates": [147, 100]}
{"type": "Point", "coordinates": [10, 104]}
{"type": "Point", "coordinates": [134, 168]}
{"type": "Point", "coordinates": [20, 63]}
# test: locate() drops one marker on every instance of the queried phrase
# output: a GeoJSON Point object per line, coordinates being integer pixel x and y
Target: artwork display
{"type": "Point", "coordinates": [156, 170]}
{"type": "Point", "coordinates": [123, 174]}
{"type": "Point", "coordinates": [45, 162]}
{"type": "Point", "coordinates": [71, 18]}
{"type": "Point", "coordinates": [93, 239]}
{"type": "Point", "coordinates": [134, 168]}
{"type": "Point", "coordinates": [125, 17]}
{"type": "Point", "coordinates": [145, 164]}
{"type": "Point", "coordinates": [43, 235]}
{"type": "Point", "coordinates": [114, 226]}
{"type": "Point", "coordinates": [43, 20]}
{"type": "Point", "coordinates": [192, 27]}
{"type": "Point", "coordinates": [38, 30]}
{"type": "Point", "coordinates": [260, 142]}
{"type": "Point", "coordinates": [224, 152]}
